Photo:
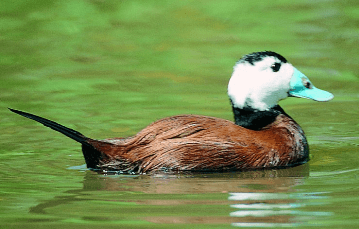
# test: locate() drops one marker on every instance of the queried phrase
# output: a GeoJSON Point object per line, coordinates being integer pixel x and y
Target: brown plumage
{"type": "Point", "coordinates": [262, 136]}
{"type": "Point", "coordinates": [199, 143]}
{"type": "Point", "coordinates": [193, 143]}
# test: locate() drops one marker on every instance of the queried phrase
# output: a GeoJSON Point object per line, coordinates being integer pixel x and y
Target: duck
{"type": "Point", "coordinates": [262, 135]}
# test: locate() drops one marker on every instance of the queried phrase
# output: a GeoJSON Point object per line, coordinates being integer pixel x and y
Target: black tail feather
{"type": "Point", "coordinates": [73, 134]}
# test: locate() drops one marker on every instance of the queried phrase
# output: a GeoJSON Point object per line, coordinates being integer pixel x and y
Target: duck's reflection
{"type": "Point", "coordinates": [281, 180]}
{"type": "Point", "coordinates": [260, 198]}
{"type": "Point", "coordinates": [243, 199]}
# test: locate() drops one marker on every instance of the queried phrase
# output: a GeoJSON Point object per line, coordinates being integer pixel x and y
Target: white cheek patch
{"type": "Point", "coordinates": [258, 86]}
{"type": "Point", "coordinates": [240, 86]}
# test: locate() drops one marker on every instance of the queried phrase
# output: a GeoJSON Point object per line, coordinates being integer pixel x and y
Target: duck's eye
{"type": "Point", "coordinates": [275, 67]}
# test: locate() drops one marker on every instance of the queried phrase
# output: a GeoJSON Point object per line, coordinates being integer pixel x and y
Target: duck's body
{"type": "Point", "coordinates": [262, 136]}
{"type": "Point", "coordinates": [198, 143]}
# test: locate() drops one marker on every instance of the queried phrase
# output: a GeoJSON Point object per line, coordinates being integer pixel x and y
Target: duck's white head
{"type": "Point", "coordinates": [260, 80]}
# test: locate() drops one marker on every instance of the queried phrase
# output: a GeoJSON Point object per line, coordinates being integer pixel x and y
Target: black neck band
{"type": "Point", "coordinates": [255, 119]}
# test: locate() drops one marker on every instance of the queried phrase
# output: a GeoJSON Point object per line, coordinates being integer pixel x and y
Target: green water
{"type": "Point", "coordinates": [109, 68]}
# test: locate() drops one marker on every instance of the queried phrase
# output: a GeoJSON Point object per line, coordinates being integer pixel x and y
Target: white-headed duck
{"type": "Point", "coordinates": [262, 136]}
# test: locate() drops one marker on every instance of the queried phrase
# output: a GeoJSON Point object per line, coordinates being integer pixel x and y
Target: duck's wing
{"type": "Point", "coordinates": [185, 142]}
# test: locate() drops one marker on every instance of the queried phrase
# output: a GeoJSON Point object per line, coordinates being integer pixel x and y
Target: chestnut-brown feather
{"type": "Point", "coordinates": [200, 143]}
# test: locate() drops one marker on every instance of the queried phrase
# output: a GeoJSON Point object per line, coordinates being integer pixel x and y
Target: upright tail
{"type": "Point", "coordinates": [73, 134]}
{"type": "Point", "coordinates": [91, 154]}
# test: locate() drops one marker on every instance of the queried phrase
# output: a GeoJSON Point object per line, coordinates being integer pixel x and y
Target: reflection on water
{"type": "Point", "coordinates": [268, 198]}
{"type": "Point", "coordinates": [165, 183]}
{"type": "Point", "coordinates": [275, 209]}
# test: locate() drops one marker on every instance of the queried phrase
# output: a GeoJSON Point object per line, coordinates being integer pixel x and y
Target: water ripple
{"type": "Point", "coordinates": [277, 209]}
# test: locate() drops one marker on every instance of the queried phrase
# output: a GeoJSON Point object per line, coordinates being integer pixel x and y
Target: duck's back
{"type": "Point", "coordinates": [191, 142]}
